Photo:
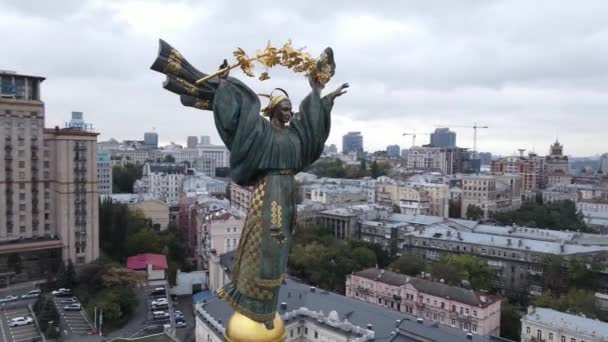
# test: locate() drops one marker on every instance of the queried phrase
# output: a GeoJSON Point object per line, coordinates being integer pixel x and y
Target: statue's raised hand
{"type": "Point", "coordinates": [338, 92]}
{"type": "Point", "coordinates": [225, 74]}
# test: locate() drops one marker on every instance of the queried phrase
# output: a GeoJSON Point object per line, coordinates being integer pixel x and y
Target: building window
{"type": "Point", "coordinates": [316, 334]}
{"type": "Point", "coordinates": [227, 230]}
{"type": "Point", "coordinates": [573, 340]}
{"type": "Point", "coordinates": [527, 330]}
{"type": "Point", "coordinates": [475, 313]}
{"type": "Point", "coordinates": [298, 330]}
{"type": "Point", "coordinates": [474, 328]}
{"type": "Point", "coordinates": [539, 334]}
{"type": "Point", "coordinates": [21, 196]}
{"type": "Point", "coordinates": [550, 336]}
{"type": "Point", "coordinates": [291, 333]}
{"type": "Point", "coordinates": [563, 338]}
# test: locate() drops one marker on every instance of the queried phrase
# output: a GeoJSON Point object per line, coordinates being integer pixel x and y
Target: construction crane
{"type": "Point", "coordinates": [474, 127]}
{"type": "Point", "coordinates": [413, 137]}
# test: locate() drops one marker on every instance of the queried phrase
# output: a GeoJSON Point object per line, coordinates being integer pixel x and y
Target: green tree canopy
{"type": "Point", "coordinates": [474, 213]}
{"type": "Point", "coordinates": [124, 177]}
{"type": "Point", "coordinates": [409, 264]}
{"type": "Point", "coordinates": [557, 215]}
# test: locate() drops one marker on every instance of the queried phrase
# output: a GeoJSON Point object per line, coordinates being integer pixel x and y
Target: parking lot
{"type": "Point", "coordinates": [73, 322]}
{"type": "Point", "coordinates": [24, 333]}
{"type": "Point", "coordinates": [148, 293]}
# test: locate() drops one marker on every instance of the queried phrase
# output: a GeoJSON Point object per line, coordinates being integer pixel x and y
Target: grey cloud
{"type": "Point", "coordinates": [528, 70]}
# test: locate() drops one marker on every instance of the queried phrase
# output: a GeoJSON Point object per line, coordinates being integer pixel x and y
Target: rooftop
{"type": "Point", "coordinates": [567, 322]}
{"type": "Point", "coordinates": [141, 261]}
{"type": "Point", "coordinates": [297, 296]}
{"type": "Point", "coordinates": [456, 293]}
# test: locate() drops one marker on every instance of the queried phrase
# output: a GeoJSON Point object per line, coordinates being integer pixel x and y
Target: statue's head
{"type": "Point", "coordinates": [279, 107]}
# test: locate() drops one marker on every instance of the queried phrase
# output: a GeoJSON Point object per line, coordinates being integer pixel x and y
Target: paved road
{"type": "Point", "coordinates": [72, 322]}
{"type": "Point", "coordinates": [24, 333]}
{"type": "Point", "coordinates": [184, 304]}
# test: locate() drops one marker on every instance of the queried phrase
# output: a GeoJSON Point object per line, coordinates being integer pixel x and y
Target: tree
{"type": "Point", "coordinates": [409, 264]}
{"type": "Point", "coordinates": [146, 240]}
{"type": "Point", "coordinates": [375, 170]}
{"type": "Point", "coordinates": [124, 177]}
{"type": "Point", "coordinates": [474, 213]}
{"type": "Point", "coordinates": [554, 274]}
{"type": "Point", "coordinates": [557, 215]}
{"type": "Point", "coordinates": [510, 324]}
{"type": "Point", "coordinates": [46, 312]}
{"type": "Point", "coordinates": [453, 268]}
{"type": "Point", "coordinates": [169, 159]}
{"type": "Point", "coordinates": [61, 277]}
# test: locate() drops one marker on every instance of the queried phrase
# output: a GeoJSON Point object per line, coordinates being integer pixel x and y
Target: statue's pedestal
{"type": "Point", "coordinates": [243, 329]}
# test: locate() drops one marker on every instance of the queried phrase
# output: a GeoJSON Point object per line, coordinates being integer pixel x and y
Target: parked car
{"type": "Point", "coordinates": [70, 300]}
{"type": "Point", "coordinates": [158, 291]}
{"type": "Point", "coordinates": [160, 315]}
{"type": "Point", "coordinates": [31, 294]}
{"type": "Point", "coordinates": [9, 298]}
{"type": "Point", "coordinates": [161, 301]}
{"type": "Point", "coordinates": [178, 312]}
{"type": "Point", "coordinates": [181, 324]}
{"type": "Point", "coordinates": [19, 321]}
{"type": "Point", "coordinates": [159, 307]}
{"type": "Point", "coordinates": [180, 318]}
{"type": "Point", "coordinates": [72, 307]}
{"type": "Point", "coordinates": [61, 290]}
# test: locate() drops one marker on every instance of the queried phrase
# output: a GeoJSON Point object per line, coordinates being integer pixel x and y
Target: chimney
{"type": "Point", "coordinates": [313, 289]}
{"type": "Point", "coordinates": [283, 306]}
{"type": "Point", "coordinates": [370, 327]}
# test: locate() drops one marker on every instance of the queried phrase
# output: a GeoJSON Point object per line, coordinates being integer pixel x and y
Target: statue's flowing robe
{"type": "Point", "coordinates": [266, 158]}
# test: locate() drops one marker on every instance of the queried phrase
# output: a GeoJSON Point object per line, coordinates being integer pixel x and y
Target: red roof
{"type": "Point", "coordinates": [141, 261]}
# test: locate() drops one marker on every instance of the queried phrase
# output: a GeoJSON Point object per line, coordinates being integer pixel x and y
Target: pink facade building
{"type": "Point", "coordinates": [467, 310]}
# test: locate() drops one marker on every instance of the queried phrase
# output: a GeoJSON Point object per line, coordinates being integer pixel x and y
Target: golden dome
{"type": "Point", "coordinates": [241, 328]}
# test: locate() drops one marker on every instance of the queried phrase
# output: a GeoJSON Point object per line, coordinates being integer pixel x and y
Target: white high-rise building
{"type": "Point", "coordinates": [219, 153]}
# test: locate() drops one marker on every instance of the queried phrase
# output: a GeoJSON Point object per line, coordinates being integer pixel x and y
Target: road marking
{"type": "Point", "coordinates": [2, 327]}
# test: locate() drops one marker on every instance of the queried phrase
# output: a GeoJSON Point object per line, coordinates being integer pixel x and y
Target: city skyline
{"type": "Point", "coordinates": [491, 63]}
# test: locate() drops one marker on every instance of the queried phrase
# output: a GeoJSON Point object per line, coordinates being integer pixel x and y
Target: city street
{"type": "Point", "coordinates": [24, 333]}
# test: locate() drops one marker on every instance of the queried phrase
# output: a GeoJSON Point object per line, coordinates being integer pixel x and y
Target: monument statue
{"type": "Point", "coordinates": [265, 153]}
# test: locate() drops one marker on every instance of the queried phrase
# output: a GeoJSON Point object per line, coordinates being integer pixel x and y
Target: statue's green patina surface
{"type": "Point", "coordinates": [265, 154]}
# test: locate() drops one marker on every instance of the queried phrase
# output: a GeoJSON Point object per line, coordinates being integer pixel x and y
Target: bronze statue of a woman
{"type": "Point", "coordinates": [265, 154]}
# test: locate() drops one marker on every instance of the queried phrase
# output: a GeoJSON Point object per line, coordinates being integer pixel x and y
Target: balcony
{"type": "Point", "coordinates": [34, 148]}
{"type": "Point", "coordinates": [8, 147]}
{"type": "Point", "coordinates": [81, 233]}
{"type": "Point", "coordinates": [8, 157]}
{"type": "Point", "coordinates": [34, 156]}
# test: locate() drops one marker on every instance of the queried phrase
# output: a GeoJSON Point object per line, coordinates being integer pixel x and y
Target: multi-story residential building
{"type": "Point", "coordinates": [542, 324]}
{"type": "Point", "coordinates": [219, 233]}
{"type": "Point", "coordinates": [443, 137]}
{"type": "Point", "coordinates": [191, 142]}
{"type": "Point", "coordinates": [219, 153]}
{"type": "Point", "coordinates": [104, 174]}
{"type": "Point", "coordinates": [151, 140]}
{"type": "Point", "coordinates": [447, 160]}
{"type": "Point", "coordinates": [491, 193]}
{"type": "Point", "coordinates": [333, 195]}
{"type": "Point", "coordinates": [48, 182]}
{"type": "Point", "coordinates": [393, 151]}
{"type": "Point", "coordinates": [526, 168]}
{"type": "Point", "coordinates": [595, 212]}
{"type": "Point", "coordinates": [240, 196]}
{"type": "Point", "coordinates": [415, 198]}
{"type": "Point", "coordinates": [164, 180]}
{"type": "Point", "coordinates": [515, 253]}
{"type": "Point", "coordinates": [352, 142]}
{"type": "Point", "coordinates": [311, 314]}
{"type": "Point", "coordinates": [199, 183]}
{"type": "Point", "coordinates": [205, 165]}
{"type": "Point", "coordinates": [205, 140]}
{"type": "Point", "coordinates": [464, 309]}
{"type": "Point", "coordinates": [556, 166]}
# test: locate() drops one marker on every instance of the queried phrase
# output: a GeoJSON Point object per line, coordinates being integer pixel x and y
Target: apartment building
{"type": "Point", "coordinates": [542, 324]}
{"type": "Point", "coordinates": [463, 309]}
{"type": "Point", "coordinates": [48, 183]}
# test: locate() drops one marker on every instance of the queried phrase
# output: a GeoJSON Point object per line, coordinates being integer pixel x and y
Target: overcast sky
{"type": "Point", "coordinates": [531, 70]}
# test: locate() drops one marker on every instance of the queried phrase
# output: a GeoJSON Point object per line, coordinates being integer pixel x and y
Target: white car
{"type": "Point", "coordinates": [181, 324]}
{"type": "Point", "coordinates": [70, 300]}
{"type": "Point", "coordinates": [160, 315]}
{"type": "Point", "coordinates": [19, 321]}
{"type": "Point", "coordinates": [9, 298]}
{"type": "Point", "coordinates": [161, 301]}
{"type": "Point", "coordinates": [31, 294]}
{"type": "Point", "coordinates": [72, 307]}
{"type": "Point", "coordinates": [61, 291]}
